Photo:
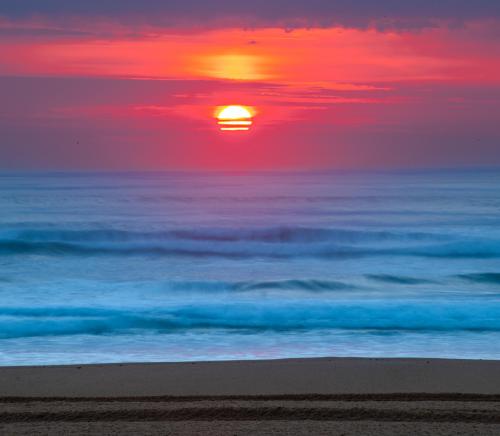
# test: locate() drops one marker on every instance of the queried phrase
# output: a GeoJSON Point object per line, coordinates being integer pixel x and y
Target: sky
{"type": "Point", "coordinates": [123, 84]}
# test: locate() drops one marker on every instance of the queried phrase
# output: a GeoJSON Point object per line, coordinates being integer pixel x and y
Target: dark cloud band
{"type": "Point", "coordinates": [258, 13]}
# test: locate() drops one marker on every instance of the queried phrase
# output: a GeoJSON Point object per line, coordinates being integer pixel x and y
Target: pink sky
{"type": "Point", "coordinates": [123, 96]}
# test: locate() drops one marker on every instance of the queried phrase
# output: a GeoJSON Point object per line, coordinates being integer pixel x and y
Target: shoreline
{"type": "Point", "coordinates": [315, 376]}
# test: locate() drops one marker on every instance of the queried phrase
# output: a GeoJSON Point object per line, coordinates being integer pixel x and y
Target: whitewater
{"type": "Point", "coordinates": [183, 266]}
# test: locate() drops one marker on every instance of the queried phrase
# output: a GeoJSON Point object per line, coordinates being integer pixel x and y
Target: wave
{"type": "Point", "coordinates": [278, 242]}
{"type": "Point", "coordinates": [306, 285]}
{"type": "Point", "coordinates": [491, 278]}
{"type": "Point", "coordinates": [400, 280]}
{"type": "Point", "coordinates": [293, 285]}
{"type": "Point", "coordinates": [239, 250]}
{"type": "Point", "coordinates": [369, 316]}
{"type": "Point", "coordinates": [277, 234]}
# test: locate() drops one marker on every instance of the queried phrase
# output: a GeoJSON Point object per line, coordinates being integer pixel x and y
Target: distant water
{"type": "Point", "coordinates": [115, 267]}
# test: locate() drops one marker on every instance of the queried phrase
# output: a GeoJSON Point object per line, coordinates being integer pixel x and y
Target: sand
{"type": "Point", "coordinates": [298, 396]}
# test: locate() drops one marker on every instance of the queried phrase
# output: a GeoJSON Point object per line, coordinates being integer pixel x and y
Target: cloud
{"type": "Point", "coordinates": [289, 14]}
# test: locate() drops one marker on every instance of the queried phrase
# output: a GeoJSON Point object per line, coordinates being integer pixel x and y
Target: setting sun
{"type": "Point", "coordinates": [234, 118]}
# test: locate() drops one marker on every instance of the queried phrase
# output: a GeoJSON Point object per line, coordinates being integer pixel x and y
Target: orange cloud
{"type": "Point", "coordinates": [333, 55]}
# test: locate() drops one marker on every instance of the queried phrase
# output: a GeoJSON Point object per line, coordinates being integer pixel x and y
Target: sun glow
{"type": "Point", "coordinates": [234, 118]}
{"type": "Point", "coordinates": [234, 67]}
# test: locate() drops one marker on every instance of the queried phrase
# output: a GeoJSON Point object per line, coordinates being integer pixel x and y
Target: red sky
{"type": "Point", "coordinates": [138, 94]}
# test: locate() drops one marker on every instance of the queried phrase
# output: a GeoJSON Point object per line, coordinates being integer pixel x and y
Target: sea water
{"type": "Point", "coordinates": [166, 266]}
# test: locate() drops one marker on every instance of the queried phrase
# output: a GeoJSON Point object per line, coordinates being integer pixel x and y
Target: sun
{"type": "Point", "coordinates": [234, 118]}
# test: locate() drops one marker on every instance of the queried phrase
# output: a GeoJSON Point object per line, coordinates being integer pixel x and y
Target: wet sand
{"type": "Point", "coordinates": [303, 396]}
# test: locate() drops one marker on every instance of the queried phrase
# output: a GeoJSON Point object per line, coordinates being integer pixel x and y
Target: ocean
{"type": "Point", "coordinates": [185, 266]}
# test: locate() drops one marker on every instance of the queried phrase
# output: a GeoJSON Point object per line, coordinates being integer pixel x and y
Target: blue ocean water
{"type": "Point", "coordinates": [159, 266]}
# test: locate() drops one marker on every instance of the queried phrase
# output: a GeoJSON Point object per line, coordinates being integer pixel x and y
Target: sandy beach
{"type": "Point", "coordinates": [298, 396]}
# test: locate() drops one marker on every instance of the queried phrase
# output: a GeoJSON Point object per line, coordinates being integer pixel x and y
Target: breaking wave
{"type": "Point", "coordinates": [279, 243]}
{"type": "Point", "coordinates": [371, 317]}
